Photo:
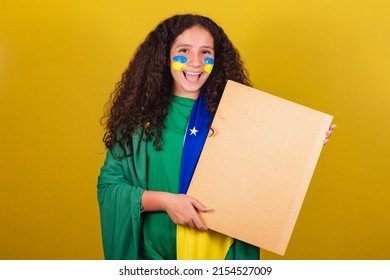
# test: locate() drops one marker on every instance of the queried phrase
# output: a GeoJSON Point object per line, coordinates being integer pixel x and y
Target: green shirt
{"type": "Point", "coordinates": [158, 236]}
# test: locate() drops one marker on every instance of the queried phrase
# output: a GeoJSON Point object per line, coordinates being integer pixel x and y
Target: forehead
{"type": "Point", "coordinates": [195, 36]}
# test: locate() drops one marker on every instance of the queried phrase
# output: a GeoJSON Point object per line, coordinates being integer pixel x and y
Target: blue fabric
{"type": "Point", "coordinates": [195, 137]}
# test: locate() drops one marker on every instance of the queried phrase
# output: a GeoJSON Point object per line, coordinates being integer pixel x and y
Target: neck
{"type": "Point", "coordinates": [191, 95]}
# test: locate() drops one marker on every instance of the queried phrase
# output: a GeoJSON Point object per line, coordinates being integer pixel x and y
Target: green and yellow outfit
{"type": "Point", "coordinates": [128, 233]}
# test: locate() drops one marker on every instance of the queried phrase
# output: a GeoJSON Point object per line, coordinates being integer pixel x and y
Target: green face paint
{"type": "Point", "coordinates": [209, 64]}
{"type": "Point", "coordinates": [180, 62]}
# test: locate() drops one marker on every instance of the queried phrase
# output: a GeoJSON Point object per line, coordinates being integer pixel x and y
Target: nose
{"type": "Point", "coordinates": [195, 60]}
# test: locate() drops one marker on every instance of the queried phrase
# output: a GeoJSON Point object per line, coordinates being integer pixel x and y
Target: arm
{"type": "Point", "coordinates": [121, 192]}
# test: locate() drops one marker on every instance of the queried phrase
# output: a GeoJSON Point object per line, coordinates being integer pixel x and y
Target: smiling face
{"type": "Point", "coordinates": [192, 59]}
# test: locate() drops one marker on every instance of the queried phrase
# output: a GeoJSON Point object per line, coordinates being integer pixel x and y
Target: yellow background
{"type": "Point", "coordinates": [59, 61]}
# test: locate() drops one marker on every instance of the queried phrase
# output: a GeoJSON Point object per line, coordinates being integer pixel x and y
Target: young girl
{"type": "Point", "coordinates": [161, 112]}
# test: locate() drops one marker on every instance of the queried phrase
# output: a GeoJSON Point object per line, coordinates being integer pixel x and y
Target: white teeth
{"type": "Point", "coordinates": [193, 73]}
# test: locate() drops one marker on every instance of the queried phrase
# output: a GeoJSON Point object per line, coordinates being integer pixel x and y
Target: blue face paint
{"type": "Point", "coordinates": [180, 62]}
{"type": "Point", "coordinates": [209, 60]}
{"type": "Point", "coordinates": [180, 58]}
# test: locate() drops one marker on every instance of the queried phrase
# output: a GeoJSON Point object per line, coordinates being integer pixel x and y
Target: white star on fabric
{"type": "Point", "coordinates": [193, 131]}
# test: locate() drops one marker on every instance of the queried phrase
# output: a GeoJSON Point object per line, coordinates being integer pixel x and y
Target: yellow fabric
{"type": "Point", "coordinates": [201, 245]}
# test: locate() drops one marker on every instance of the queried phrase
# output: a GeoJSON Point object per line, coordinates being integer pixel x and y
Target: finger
{"type": "Point", "coordinates": [198, 223]}
{"type": "Point", "coordinates": [191, 224]}
{"type": "Point", "coordinates": [330, 130]}
{"type": "Point", "coordinates": [329, 133]}
{"type": "Point", "coordinates": [199, 206]}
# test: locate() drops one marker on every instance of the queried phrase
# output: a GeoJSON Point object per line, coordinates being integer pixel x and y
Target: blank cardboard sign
{"type": "Point", "coordinates": [254, 171]}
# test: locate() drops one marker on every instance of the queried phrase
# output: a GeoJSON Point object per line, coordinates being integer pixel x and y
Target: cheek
{"type": "Point", "coordinates": [209, 63]}
{"type": "Point", "coordinates": [178, 66]}
{"type": "Point", "coordinates": [179, 62]}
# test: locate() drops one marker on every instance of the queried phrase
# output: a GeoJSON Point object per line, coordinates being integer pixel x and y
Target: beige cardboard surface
{"type": "Point", "coordinates": [254, 171]}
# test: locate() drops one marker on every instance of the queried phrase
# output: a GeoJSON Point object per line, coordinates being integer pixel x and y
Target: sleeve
{"type": "Point", "coordinates": [119, 196]}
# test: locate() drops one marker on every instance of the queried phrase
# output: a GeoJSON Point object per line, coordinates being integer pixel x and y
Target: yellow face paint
{"type": "Point", "coordinates": [180, 62]}
{"type": "Point", "coordinates": [209, 64]}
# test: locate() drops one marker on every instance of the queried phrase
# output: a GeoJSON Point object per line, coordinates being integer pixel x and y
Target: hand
{"type": "Point", "coordinates": [183, 210]}
{"type": "Point", "coordinates": [329, 133]}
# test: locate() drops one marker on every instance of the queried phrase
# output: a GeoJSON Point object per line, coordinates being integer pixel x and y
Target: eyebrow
{"type": "Point", "coordinates": [189, 45]}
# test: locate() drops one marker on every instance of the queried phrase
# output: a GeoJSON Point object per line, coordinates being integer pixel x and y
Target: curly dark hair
{"type": "Point", "coordinates": [141, 98]}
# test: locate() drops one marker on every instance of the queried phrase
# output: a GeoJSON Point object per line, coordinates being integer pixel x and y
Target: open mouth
{"type": "Point", "coordinates": [192, 76]}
